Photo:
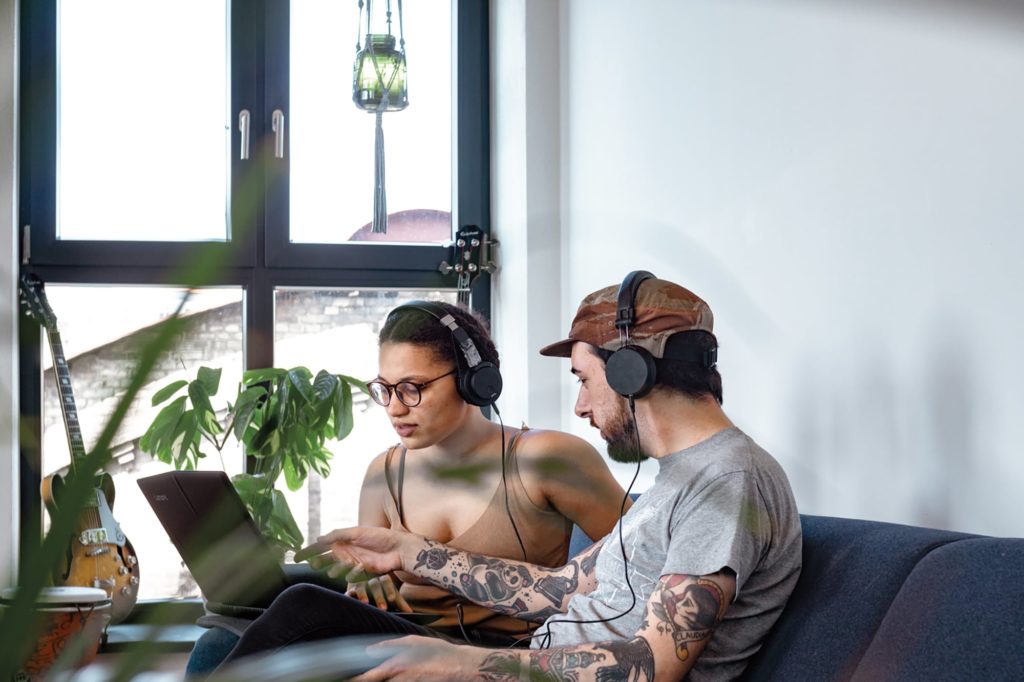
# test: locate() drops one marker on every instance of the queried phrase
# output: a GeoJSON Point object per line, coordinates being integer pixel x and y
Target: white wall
{"type": "Point", "coordinates": [842, 181]}
{"type": "Point", "coordinates": [8, 292]}
{"type": "Point", "coordinates": [526, 212]}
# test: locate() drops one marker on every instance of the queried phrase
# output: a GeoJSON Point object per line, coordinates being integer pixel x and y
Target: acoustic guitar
{"type": "Point", "coordinates": [98, 553]}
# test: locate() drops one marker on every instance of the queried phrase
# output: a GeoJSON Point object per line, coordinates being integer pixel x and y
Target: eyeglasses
{"type": "Point", "coordinates": [409, 393]}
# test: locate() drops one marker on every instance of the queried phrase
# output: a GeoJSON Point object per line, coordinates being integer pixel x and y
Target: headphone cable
{"type": "Point", "coordinates": [546, 635]}
{"type": "Point", "coordinates": [508, 511]}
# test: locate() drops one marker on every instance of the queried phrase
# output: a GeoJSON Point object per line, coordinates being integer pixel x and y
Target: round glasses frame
{"type": "Point", "coordinates": [409, 393]}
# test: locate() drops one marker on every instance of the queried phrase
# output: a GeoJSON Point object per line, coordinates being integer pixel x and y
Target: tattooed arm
{"type": "Point", "coordinates": [514, 588]}
{"type": "Point", "coordinates": [511, 587]}
{"type": "Point", "coordinates": [679, 619]}
{"type": "Point", "coordinates": [507, 586]}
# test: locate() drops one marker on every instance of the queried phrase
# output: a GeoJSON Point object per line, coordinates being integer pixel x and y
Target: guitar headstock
{"type": "Point", "coordinates": [470, 256]}
{"type": "Point", "coordinates": [33, 298]}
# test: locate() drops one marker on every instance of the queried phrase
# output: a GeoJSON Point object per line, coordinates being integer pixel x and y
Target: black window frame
{"type": "Point", "coordinates": [261, 260]}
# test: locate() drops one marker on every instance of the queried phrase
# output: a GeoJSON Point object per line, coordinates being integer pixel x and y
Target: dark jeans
{"type": "Point", "coordinates": [306, 613]}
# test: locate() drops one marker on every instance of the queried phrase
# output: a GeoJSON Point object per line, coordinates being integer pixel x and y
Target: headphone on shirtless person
{"type": "Point", "coordinates": [477, 380]}
{"type": "Point", "coordinates": [479, 383]}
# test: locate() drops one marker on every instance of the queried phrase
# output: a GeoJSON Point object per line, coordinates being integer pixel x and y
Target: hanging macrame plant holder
{"type": "Point", "coordinates": [379, 84]}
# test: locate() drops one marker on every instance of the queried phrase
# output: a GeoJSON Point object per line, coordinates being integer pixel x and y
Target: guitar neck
{"type": "Point", "coordinates": [67, 396]}
{"type": "Point", "coordinates": [467, 249]}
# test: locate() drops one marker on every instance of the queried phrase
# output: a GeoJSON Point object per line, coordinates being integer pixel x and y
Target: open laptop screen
{"type": "Point", "coordinates": [216, 537]}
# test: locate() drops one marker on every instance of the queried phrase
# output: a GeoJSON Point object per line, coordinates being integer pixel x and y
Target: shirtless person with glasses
{"type": "Point", "coordinates": [445, 480]}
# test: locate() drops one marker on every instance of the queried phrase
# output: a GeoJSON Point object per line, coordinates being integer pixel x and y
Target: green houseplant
{"type": "Point", "coordinates": [282, 417]}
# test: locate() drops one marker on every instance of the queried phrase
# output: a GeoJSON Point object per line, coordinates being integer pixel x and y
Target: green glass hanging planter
{"type": "Point", "coordinates": [380, 84]}
{"type": "Point", "coordinates": [380, 75]}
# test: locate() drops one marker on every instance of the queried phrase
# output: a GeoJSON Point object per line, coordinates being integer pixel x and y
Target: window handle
{"type": "Point", "coordinates": [277, 125]}
{"type": "Point", "coordinates": [243, 130]}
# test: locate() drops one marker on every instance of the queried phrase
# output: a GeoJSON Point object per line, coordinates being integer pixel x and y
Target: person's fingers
{"type": "Point", "coordinates": [379, 673]}
{"type": "Point", "coordinates": [377, 593]}
{"type": "Point", "coordinates": [312, 550]}
{"type": "Point", "coordinates": [400, 603]}
{"type": "Point", "coordinates": [321, 560]}
{"type": "Point", "coordinates": [355, 572]}
{"type": "Point", "coordinates": [385, 652]}
{"type": "Point", "coordinates": [358, 591]}
{"type": "Point", "coordinates": [342, 570]}
{"type": "Point", "coordinates": [392, 594]}
{"type": "Point", "coordinates": [338, 535]}
{"type": "Point", "coordinates": [388, 585]}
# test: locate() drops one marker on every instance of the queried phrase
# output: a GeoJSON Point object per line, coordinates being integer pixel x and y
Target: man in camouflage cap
{"type": "Point", "coordinates": [699, 568]}
{"type": "Point", "coordinates": [670, 328]}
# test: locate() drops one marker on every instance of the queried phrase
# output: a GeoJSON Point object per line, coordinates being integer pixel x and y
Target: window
{"type": "Point", "coordinates": [134, 165]}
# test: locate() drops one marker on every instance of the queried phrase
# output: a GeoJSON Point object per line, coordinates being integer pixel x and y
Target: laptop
{"type": "Point", "coordinates": [220, 543]}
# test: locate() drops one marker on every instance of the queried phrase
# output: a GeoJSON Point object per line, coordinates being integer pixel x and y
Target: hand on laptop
{"type": "Point", "coordinates": [382, 591]}
{"type": "Point", "coordinates": [361, 553]}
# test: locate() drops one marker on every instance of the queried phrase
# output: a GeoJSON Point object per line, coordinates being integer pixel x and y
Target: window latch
{"type": "Point", "coordinates": [243, 131]}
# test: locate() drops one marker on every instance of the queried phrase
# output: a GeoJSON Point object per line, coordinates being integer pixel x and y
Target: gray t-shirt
{"type": "Point", "coordinates": [723, 502]}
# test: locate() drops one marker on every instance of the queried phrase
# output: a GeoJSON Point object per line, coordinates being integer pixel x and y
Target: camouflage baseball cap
{"type": "Point", "coordinates": [662, 309]}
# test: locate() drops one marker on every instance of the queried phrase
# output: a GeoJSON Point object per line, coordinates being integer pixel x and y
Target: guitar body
{"type": "Point", "coordinates": [98, 553]}
{"type": "Point", "coordinates": [94, 558]}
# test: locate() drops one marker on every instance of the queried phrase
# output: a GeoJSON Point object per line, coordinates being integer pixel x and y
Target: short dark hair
{"type": "Point", "coordinates": [412, 325]}
{"type": "Point", "coordinates": [688, 378]}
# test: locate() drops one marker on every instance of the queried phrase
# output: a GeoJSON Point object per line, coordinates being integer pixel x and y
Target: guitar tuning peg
{"type": "Point", "coordinates": [444, 268]}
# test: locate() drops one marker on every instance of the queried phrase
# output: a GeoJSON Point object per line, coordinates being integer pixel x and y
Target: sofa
{"type": "Point", "coordinates": [877, 601]}
{"type": "Point", "coordinates": [882, 601]}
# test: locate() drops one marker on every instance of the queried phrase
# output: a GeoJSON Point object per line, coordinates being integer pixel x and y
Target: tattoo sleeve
{"type": "Point", "coordinates": [680, 618]}
{"type": "Point", "coordinates": [687, 609]}
{"type": "Point", "coordinates": [612, 661]}
{"type": "Point", "coordinates": [504, 585]}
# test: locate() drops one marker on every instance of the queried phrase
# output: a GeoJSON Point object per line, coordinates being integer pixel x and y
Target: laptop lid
{"type": "Point", "coordinates": [216, 537]}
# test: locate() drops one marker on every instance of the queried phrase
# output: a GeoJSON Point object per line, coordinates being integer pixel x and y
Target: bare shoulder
{"type": "Point", "coordinates": [373, 493]}
{"type": "Point", "coordinates": [573, 478]}
{"type": "Point", "coordinates": [537, 446]}
{"type": "Point", "coordinates": [375, 469]}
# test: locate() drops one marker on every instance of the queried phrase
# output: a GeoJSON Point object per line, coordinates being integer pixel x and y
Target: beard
{"type": "Point", "coordinates": [620, 434]}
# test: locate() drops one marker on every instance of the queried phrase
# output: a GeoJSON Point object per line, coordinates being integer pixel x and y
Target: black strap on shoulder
{"type": "Point", "coordinates": [401, 482]}
{"type": "Point", "coordinates": [395, 490]}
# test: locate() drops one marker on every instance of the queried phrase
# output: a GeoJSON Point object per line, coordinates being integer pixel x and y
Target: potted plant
{"type": "Point", "coordinates": [282, 417]}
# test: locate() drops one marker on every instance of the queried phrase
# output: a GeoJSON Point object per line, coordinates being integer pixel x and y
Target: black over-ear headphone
{"type": "Point", "coordinates": [630, 370]}
{"type": "Point", "coordinates": [479, 382]}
